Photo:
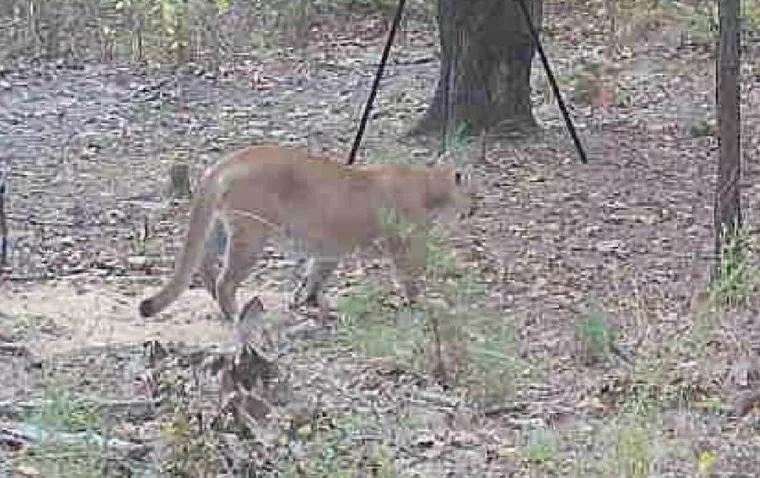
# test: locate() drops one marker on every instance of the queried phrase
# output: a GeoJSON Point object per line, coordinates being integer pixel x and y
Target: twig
{"type": "Point", "coordinates": [506, 408]}
{"type": "Point", "coordinates": [3, 219]}
{"type": "Point", "coordinates": [15, 349]}
{"type": "Point", "coordinates": [625, 357]}
{"type": "Point", "coordinates": [142, 409]}
{"type": "Point", "coordinates": [19, 434]}
{"type": "Point", "coordinates": [746, 402]}
{"type": "Point", "coordinates": [32, 221]}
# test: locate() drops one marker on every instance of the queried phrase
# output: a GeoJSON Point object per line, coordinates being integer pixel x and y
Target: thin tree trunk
{"type": "Point", "coordinates": [489, 46]}
{"type": "Point", "coordinates": [727, 197]}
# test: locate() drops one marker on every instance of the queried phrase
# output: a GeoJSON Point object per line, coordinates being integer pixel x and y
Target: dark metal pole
{"type": "Point", "coordinates": [552, 81]}
{"type": "Point", "coordinates": [376, 83]}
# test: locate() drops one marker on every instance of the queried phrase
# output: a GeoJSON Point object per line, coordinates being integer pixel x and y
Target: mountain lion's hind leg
{"type": "Point", "coordinates": [216, 245]}
{"type": "Point", "coordinates": [246, 239]}
{"type": "Point", "coordinates": [318, 271]}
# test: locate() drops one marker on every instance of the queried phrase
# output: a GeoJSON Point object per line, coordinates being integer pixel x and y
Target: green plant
{"type": "Point", "coordinates": [698, 22]}
{"type": "Point", "coordinates": [175, 25]}
{"type": "Point", "coordinates": [633, 434]}
{"type": "Point", "coordinates": [752, 14]}
{"type": "Point", "coordinates": [363, 303]}
{"type": "Point", "coordinates": [458, 142]}
{"type": "Point", "coordinates": [63, 412]}
{"type": "Point", "coordinates": [327, 448]}
{"type": "Point", "coordinates": [633, 451]}
{"type": "Point", "coordinates": [596, 337]}
{"type": "Point", "coordinates": [493, 365]}
{"type": "Point", "coordinates": [369, 321]}
{"type": "Point", "coordinates": [733, 284]}
{"type": "Point", "coordinates": [593, 82]}
{"type": "Point", "coordinates": [445, 333]}
{"type": "Point", "coordinates": [736, 276]}
{"type": "Point", "coordinates": [540, 447]}
{"type": "Point", "coordinates": [191, 447]}
{"type": "Point", "coordinates": [395, 224]}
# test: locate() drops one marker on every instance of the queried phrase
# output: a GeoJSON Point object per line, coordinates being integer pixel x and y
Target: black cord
{"type": "Point", "coordinates": [376, 84]}
{"type": "Point", "coordinates": [553, 82]}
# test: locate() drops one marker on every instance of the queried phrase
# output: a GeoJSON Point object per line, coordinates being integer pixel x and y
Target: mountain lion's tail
{"type": "Point", "coordinates": [201, 220]}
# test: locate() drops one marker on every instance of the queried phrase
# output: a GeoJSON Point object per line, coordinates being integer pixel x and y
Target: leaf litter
{"type": "Point", "coordinates": [629, 233]}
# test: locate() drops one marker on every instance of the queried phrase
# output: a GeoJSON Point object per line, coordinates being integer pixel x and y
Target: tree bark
{"type": "Point", "coordinates": [487, 44]}
{"type": "Point", "coordinates": [727, 213]}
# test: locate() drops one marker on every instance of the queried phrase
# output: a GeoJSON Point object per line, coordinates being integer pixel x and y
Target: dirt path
{"type": "Point", "coordinates": [56, 318]}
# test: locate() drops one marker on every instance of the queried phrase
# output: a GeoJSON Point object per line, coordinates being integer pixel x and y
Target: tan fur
{"type": "Point", "coordinates": [329, 209]}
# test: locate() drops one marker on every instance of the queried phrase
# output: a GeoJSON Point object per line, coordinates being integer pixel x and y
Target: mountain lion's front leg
{"type": "Point", "coordinates": [409, 260]}
{"type": "Point", "coordinates": [317, 273]}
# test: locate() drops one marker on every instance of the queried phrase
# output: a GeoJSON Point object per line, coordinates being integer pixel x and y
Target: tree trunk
{"type": "Point", "coordinates": [488, 45]}
{"type": "Point", "coordinates": [727, 212]}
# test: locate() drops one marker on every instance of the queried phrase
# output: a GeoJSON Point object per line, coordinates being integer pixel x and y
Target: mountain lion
{"type": "Point", "coordinates": [327, 208]}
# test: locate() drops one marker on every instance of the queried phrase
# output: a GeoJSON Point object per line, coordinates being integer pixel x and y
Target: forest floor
{"type": "Point", "coordinates": [565, 252]}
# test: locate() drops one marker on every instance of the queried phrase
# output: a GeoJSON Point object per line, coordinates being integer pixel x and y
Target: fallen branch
{"type": "Point", "coordinates": [506, 409]}
{"type": "Point", "coordinates": [746, 402]}
{"type": "Point", "coordinates": [19, 435]}
{"type": "Point", "coordinates": [138, 409]}
{"type": "Point", "coordinates": [14, 349]}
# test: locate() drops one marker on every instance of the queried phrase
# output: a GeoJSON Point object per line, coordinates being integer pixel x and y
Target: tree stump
{"type": "Point", "coordinates": [179, 181]}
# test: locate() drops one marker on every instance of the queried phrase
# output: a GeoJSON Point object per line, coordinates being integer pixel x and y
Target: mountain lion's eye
{"type": "Point", "coordinates": [458, 178]}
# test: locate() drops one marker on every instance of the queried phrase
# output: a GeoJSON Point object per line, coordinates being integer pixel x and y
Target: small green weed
{"type": "Point", "coordinates": [328, 449]}
{"type": "Point", "coordinates": [751, 14]}
{"type": "Point", "coordinates": [633, 452]}
{"type": "Point", "coordinates": [458, 143]}
{"type": "Point", "coordinates": [595, 336]}
{"type": "Point", "coordinates": [737, 277]}
{"type": "Point", "coordinates": [493, 366]}
{"type": "Point", "coordinates": [365, 302]}
{"type": "Point", "coordinates": [377, 328]}
{"type": "Point", "coordinates": [376, 156]}
{"type": "Point", "coordinates": [634, 436]}
{"type": "Point", "coordinates": [445, 333]}
{"type": "Point", "coordinates": [732, 286]}
{"type": "Point", "coordinates": [63, 412]}
{"type": "Point", "coordinates": [586, 80]}
{"type": "Point", "coordinates": [698, 22]}
{"type": "Point", "coordinates": [541, 446]}
{"type": "Point", "coordinates": [191, 447]}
